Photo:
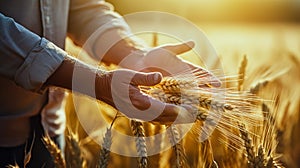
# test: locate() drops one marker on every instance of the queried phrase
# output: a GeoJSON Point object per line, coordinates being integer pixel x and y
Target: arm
{"type": "Point", "coordinates": [24, 53]}
{"type": "Point", "coordinates": [33, 62]}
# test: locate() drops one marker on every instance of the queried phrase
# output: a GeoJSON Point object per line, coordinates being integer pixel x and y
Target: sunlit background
{"type": "Point", "coordinates": [219, 10]}
{"type": "Point", "coordinates": [267, 32]}
{"type": "Point", "coordinates": [246, 27]}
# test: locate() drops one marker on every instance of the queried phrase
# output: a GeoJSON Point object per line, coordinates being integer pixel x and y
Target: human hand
{"type": "Point", "coordinates": [53, 113]}
{"type": "Point", "coordinates": [120, 89]}
{"type": "Point", "coordinates": [164, 59]}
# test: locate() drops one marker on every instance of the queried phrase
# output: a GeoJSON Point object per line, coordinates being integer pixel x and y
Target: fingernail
{"type": "Point", "coordinates": [157, 77]}
{"type": "Point", "coordinates": [216, 82]}
{"type": "Point", "coordinates": [191, 44]}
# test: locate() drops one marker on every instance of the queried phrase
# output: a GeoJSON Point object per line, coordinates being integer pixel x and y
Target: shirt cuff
{"type": "Point", "coordinates": [39, 65]}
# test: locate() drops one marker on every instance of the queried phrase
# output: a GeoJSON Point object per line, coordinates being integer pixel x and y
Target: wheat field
{"type": "Point", "coordinates": [260, 119]}
{"type": "Point", "coordinates": [261, 77]}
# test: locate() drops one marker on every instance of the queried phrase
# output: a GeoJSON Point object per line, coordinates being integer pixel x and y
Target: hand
{"type": "Point", "coordinates": [53, 114]}
{"type": "Point", "coordinates": [163, 59]}
{"type": "Point", "coordinates": [119, 88]}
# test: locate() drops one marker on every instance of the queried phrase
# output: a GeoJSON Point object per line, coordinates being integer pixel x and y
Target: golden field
{"type": "Point", "coordinates": [273, 59]}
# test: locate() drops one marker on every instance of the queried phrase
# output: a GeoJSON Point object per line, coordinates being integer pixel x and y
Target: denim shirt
{"type": "Point", "coordinates": [32, 37]}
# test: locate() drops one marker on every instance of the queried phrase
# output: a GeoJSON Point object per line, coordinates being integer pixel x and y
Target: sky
{"type": "Point", "coordinates": [218, 10]}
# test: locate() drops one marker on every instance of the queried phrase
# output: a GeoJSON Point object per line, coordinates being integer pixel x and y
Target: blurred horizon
{"type": "Point", "coordinates": [218, 10]}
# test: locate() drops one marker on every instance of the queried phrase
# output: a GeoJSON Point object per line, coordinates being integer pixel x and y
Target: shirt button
{"type": "Point", "coordinates": [47, 19]}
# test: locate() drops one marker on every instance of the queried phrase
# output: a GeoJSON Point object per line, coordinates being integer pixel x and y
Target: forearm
{"type": "Point", "coordinates": [74, 75]}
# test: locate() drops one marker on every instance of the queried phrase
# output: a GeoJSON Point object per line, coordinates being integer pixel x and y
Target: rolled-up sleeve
{"type": "Point", "coordinates": [26, 58]}
{"type": "Point", "coordinates": [88, 17]}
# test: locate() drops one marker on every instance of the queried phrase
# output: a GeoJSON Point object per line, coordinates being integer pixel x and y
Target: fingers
{"type": "Point", "coordinates": [179, 48]}
{"type": "Point", "coordinates": [174, 114]}
{"type": "Point", "coordinates": [206, 77]}
{"type": "Point", "coordinates": [53, 121]}
{"type": "Point", "coordinates": [146, 79]}
{"type": "Point", "coordinates": [156, 111]}
{"type": "Point", "coordinates": [138, 99]}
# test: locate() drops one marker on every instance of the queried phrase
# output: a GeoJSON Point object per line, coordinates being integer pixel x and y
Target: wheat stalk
{"type": "Point", "coordinates": [157, 143]}
{"type": "Point", "coordinates": [55, 152]}
{"type": "Point", "coordinates": [139, 133]}
{"type": "Point", "coordinates": [154, 39]}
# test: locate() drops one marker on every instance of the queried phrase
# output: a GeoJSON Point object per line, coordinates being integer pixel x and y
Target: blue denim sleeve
{"type": "Point", "coordinates": [26, 58]}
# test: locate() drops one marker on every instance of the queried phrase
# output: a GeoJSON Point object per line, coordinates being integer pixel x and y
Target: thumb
{"type": "Point", "coordinates": [146, 79]}
{"type": "Point", "coordinates": [179, 48]}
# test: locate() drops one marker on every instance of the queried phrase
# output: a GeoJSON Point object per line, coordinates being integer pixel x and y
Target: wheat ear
{"type": "Point", "coordinates": [242, 72]}
{"type": "Point", "coordinates": [139, 133]}
{"type": "Point", "coordinates": [176, 142]}
{"type": "Point", "coordinates": [28, 154]}
{"type": "Point", "coordinates": [106, 145]}
{"type": "Point", "coordinates": [55, 152]}
{"type": "Point", "coordinates": [248, 145]}
{"type": "Point", "coordinates": [13, 166]}
{"type": "Point", "coordinates": [105, 150]}
{"type": "Point", "coordinates": [260, 157]}
{"type": "Point", "coordinates": [74, 156]}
